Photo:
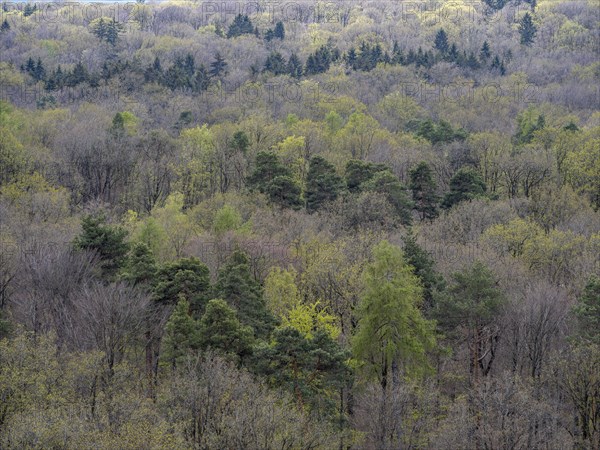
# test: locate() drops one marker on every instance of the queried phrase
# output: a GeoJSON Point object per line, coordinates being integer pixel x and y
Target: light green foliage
{"type": "Point", "coordinates": [391, 329]}
{"type": "Point", "coordinates": [226, 219]}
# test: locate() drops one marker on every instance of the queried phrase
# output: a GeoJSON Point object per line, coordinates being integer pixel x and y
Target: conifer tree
{"type": "Point", "coordinates": [294, 66]}
{"type": "Point", "coordinates": [527, 30]}
{"type": "Point", "coordinates": [243, 293]}
{"type": "Point", "coordinates": [423, 189]}
{"type": "Point", "coordinates": [322, 183]}
{"type": "Point", "coordinates": [441, 41]}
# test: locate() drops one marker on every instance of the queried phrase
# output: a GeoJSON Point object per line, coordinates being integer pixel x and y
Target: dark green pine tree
{"type": "Point", "coordinates": [100, 29]}
{"type": "Point", "coordinates": [472, 62]}
{"type": "Point", "coordinates": [243, 293]}
{"type": "Point", "coordinates": [387, 183]}
{"type": "Point", "coordinates": [441, 41]}
{"type": "Point", "coordinates": [154, 72]}
{"type": "Point", "coordinates": [40, 72]}
{"type": "Point", "coordinates": [357, 172]}
{"type": "Point", "coordinates": [269, 35]}
{"type": "Point", "coordinates": [59, 77]}
{"type": "Point", "coordinates": [466, 184]}
{"type": "Point", "coordinates": [140, 266]}
{"type": "Point", "coordinates": [185, 278]}
{"type": "Point", "coordinates": [78, 75]}
{"type": "Point", "coordinates": [485, 53]}
{"type": "Point", "coordinates": [30, 67]}
{"type": "Point", "coordinates": [221, 330]}
{"type": "Point", "coordinates": [189, 65]}
{"type": "Point", "coordinates": [107, 241]}
{"type": "Point", "coordinates": [218, 68]}
{"type": "Point", "coordinates": [113, 30]}
{"type": "Point", "coordinates": [423, 189]}
{"type": "Point", "coordinates": [424, 266]}
{"type": "Point", "coordinates": [241, 25]}
{"type": "Point", "coordinates": [239, 142]}
{"type": "Point", "coordinates": [527, 30]}
{"type": "Point", "coordinates": [279, 31]}
{"type": "Point", "coordinates": [351, 59]}
{"type": "Point", "coordinates": [294, 66]}
{"type": "Point", "coordinates": [275, 64]}
{"type": "Point", "coordinates": [28, 10]}
{"type": "Point", "coordinates": [323, 184]}
{"type": "Point", "coordinates": [201, 79]}
{"type": "Point", "coordinates": [5, 26]}
{"type": "Point", "coordinates": [308, 368]}
{"type": "Point", "coordinates": [453, 54]}
{"type": "Point", "coordinates": [266, 168]}
{"type": "Point", "coordinates": [182, 334]}
{"type": "Point", "coordinates": [587, 311]}
{"type": "Point", "coordinates": [285, 192]}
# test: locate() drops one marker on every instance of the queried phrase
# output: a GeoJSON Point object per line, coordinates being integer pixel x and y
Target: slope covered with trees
{"type": "Point", "coordinates": [353, 225]}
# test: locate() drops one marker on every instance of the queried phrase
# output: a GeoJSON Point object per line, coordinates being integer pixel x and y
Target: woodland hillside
{"type": "Point", "coordinates": [300, 225]}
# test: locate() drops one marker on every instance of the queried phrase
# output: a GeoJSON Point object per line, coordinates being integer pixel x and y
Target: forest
{"type": "Point", "coordinates": [340, 224]}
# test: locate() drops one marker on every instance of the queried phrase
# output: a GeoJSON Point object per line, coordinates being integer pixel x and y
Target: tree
{"type": "Point", "coordinates": [313, 370]}
{"type": "Point", "coordinates": [386, 183]}
{"type": "Point", "coordinates": [471, 306]}
{"type": "Point", "coordinates": [587, 311]}
{"type": "Point", "coordinates": [218, 68]}
{"type": "Point", "coordinates": [243, 293]}
{"type": "Point", "coordinates": [221, 330]}
{"type": "Point", "coordinates": [441, 41]}
{"type": "Point", "coordinates": [5, 26]}
{"type": "Point", "coordinates": [285, 192]}
{"type": "Point", "coordinates": [322, 183]}
{"type": "Point", "coordinates": [187, 278]}
{"type": "Point", "coordinates": [182, 334]}
{"type": "Point", "coordinates": [578, 378]}
{"type": "Point", "coordinates": [423, 189]}
{"type": "Point", "coordinates": [266, 168]}
{"type": "Point", "coordinates": [106, 240]}
{"type": "Point", "coordinates": [294, 66]}
{"type": "Point", "coordinates": [527, 30]}
{"type": "Point", "coordinates": [392, 337]}
{"type": "Point", "coordinates": [279, 31]}
{"type": "Point", "coordinates": [275, 64]}
{"type": "Point", "coordinates": [485, 53]}
{"type": "Point", "coordinates": [359, 172]}
{"type": "Point", "coordinates": [424, 268]}
{"type": "Point", "coordinates": [241, 25]}
{"type": "Point", "coordinates": [466, 184]}
{"type": "Point", "coordinates": [140, 267]}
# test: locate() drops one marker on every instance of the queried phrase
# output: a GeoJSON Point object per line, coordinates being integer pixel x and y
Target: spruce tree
{"type": "Point", "coordinates": [294, 66]}
{"type": "Point", "coordinates": [423, 189]}
{"type": "Point", "coordinates": [323, 184]}
{"type": "Point", "coordinates": [185, 278]}
{"type": "Point", "coordinates": [275, 64]}
{"type": "Point", "coordinates": [243, 293]}
{"type": "Point", "coordinates": [221, 330]}
{"type": "Point", "coordinates": [266, 168]}
{"type": "Point", "coordinates": [388, 184]}
{"type": "Point", "coordinates": [485, 53]}
{"type": "Point", "coordinates": [279, 31]}
{"type": "Point", "coordinates": [527, 29]}
{"type": "Point", "coordinates": [441, 41]}
{"type": "Point", "coordinates": [466, 184]}
{"type": "Point", "coordinates": [5, 26]}
{"type": "Point", "coordinates": [218, 68]}
{"type": "Point", "coordinates": [285, 192]}
{"type": "Point", "coordinates": [107, 241]}
{"type": "Point", "coordinates": [241, 25]}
